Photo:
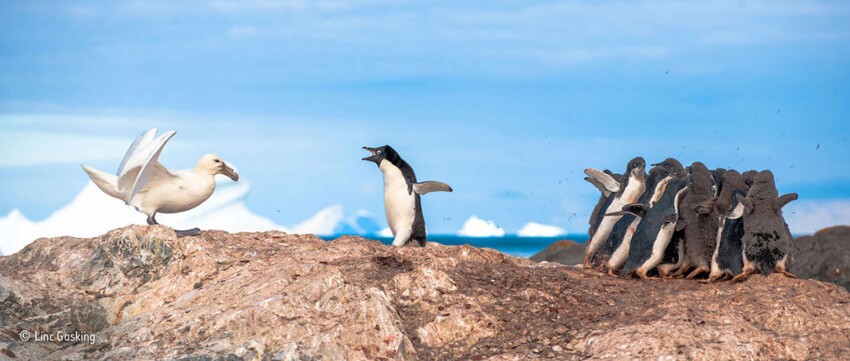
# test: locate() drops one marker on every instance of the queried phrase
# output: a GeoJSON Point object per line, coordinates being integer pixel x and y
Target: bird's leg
{"type": "Point", "coordinates": [151, 219]}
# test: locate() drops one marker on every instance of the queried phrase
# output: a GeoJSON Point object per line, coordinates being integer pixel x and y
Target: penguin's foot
{"type": "Point", "coordinates": [612, 272]}
{"type": "Point", "coordinates": [679, 273]}
{"type": "Point", "coordinates": [587, 262]}
{"type": "Point", "coordinates": [744, 275]}
{"type": "Point", "coordinates": [187, 232]}
{"type": "Point", "coordinates": [642, 274]}
{"type": "Point", "coordinates": [787, 274]}
{"type": "Point", "coordinates": [741, 277]}
{"type": "Point", "coordinates": [698, 271]}
{"type": "Point", "coordinates": [664, 272]}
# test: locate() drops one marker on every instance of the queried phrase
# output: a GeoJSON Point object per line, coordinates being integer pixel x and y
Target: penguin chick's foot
{"type": "Point", "coordinates": [187, 232]}
{"type": "Point", "coordinates": [642, 274]}
{"type": "Point", "coordinates": [587, 262]}
{"type": "Point", "coordinates": [698, 271]}
{"type": "Point", "coordinates": [787, 274]}
{"type": "Point", "coordinates": [744, 275]}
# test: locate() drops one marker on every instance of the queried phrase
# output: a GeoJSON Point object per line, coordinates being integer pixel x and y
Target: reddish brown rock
{"type": "Point", "coordinates": [566, 252]}
{"type": "Point", "coordinates": [149, 295]}
{"type": "Point", "coordinates": [823, 256]}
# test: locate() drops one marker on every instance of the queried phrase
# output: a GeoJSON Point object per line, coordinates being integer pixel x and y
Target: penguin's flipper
{"type": "Point", "coordinates": [783, 200]}
{"type": "Point", "coordinates": [605, 179]}
{"type": "Point", "coordinates": [637, 209]}
{"type": "Point", "coordinates": [426, 187]}
{"type": "Point", "coordinates": [605, 191]}
{"type": "Point", "coordinates": [748, 204]}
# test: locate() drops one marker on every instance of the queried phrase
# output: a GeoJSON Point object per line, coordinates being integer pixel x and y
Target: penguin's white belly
{"type": "Point", "coordinates": [399, 207]}
{"type": "Point", "coordinates": [399, 204]}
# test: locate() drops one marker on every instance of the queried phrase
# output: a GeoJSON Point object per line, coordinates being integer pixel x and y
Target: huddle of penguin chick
{"type": "Point", "coordinates": [687, 222]}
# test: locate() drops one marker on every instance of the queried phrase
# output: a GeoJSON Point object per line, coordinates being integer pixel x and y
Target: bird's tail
{"type": "Point", "coordinates": [108, 183]}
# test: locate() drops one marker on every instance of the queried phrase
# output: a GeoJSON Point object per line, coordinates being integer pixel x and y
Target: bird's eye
{"type": "Point", "coordinates": [217, 161]}
{"type": "Point", "coordinates": [379, 152]}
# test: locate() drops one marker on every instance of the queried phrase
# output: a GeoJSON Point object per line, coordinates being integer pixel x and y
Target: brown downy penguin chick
{"type": "Point", "coordinates": [727, 260]}
{"type": "Point", "coordinates": [630, 189]}
{"type": "Point", "coordinates": [699, 221]}
{"type": "Point", "coordinates": [608, 184]}
{"type": "Point", "coordinates": [766, 238]}
{"type": "Point", "coordinates": [749, 176]}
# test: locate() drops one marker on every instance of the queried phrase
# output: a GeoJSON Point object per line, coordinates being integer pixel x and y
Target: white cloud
{"type": "Point", "coordinates": [532, 229]}
{"type": "Point", "coordinates": [477, 227]}
{"type": "Point", "coordinates": [809, 216]}
{"type": "Point", "coordinates": [386, 232]}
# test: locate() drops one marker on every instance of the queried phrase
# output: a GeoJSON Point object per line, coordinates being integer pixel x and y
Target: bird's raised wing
{"type": "Point", "coordinates": [141, 164]}
{"type": "Point", "coordinates": [140, 142]}
{"type": "Point", "coordinates": [430, 186]}
{"type": "Point", "coordinates": [604, 179]}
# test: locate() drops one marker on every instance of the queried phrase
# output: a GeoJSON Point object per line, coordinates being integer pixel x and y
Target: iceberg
{"type": "Point", "coordinates": [477, 227]}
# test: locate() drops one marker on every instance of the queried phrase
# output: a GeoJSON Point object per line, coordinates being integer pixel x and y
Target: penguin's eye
{"type": "Point", "coordinates": [217, 161]}
{"type": "Point", "coordinates": [380, 151]}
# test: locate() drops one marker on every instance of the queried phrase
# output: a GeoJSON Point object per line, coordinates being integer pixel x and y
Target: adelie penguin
{"type": "Point", "coordinates": [655, 230]}
{"type": "Point", "coordinates": [766, 238]}
{"type": "Point", "coordinates": [631, 188]}
{"type": "Point", "coordinates": [608, 184]}
{"type": "Point", "coordinates": [615, 251]}
{"type": "Point", "coordinates": [402, 204]}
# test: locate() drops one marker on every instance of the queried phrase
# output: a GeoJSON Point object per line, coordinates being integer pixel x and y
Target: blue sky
{"type": "Point", "coordinates": [506, 101]}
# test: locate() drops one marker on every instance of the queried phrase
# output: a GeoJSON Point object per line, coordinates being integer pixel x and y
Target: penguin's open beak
{"type": "Point", "coordinates": [374, 157]}
{"type": "Point", "coordinates": [229, 172]}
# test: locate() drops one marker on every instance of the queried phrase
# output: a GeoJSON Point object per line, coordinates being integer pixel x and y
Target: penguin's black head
{"type": "Point", "coordinates": [674, 166]}
{"type": "Point", "coordinates": [636, 166]}
{"type": "Point", "coordinates": [382, 153]}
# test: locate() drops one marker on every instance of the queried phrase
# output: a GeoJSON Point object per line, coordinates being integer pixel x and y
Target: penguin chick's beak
{"type": "Point", "coordinates": [229, 172]}
{"type": "Point", "coordinates": [374, 157]}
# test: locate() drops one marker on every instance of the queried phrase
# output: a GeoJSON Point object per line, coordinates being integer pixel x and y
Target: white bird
{"type": "Point", "coordinates": [144, 183]}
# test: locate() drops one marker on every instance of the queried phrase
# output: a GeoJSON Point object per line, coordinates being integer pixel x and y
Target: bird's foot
{"type": "Point", "coordinates": [787, 274]}
{"type": "Point", "coordinates": [187, 232]}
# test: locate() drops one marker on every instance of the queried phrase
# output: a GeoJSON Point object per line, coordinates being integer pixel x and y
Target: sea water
{"type": "Point", "coordinates": [510, 244]}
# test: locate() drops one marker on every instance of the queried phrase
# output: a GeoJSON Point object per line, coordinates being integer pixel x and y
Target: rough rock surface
{"type": "Point", "coordinates": [149, 295]}
{"type": "Point", "coordinates": [824, 256]}
{"type": "Point", "coordinates": [566, 252]}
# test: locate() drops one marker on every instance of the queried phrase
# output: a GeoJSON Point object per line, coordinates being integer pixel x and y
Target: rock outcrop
{"type": "Point", "coordinates": [823, 256]}
{"type": "Point", "coordinates": [566, 252]}
{"type": "Point", "coordinates": [147, 294]}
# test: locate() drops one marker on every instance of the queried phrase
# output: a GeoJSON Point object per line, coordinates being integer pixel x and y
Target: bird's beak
{"type": "Point", "coordinates": [229, 172]}
{"type": "Point", "coordinates": [374, 157]}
